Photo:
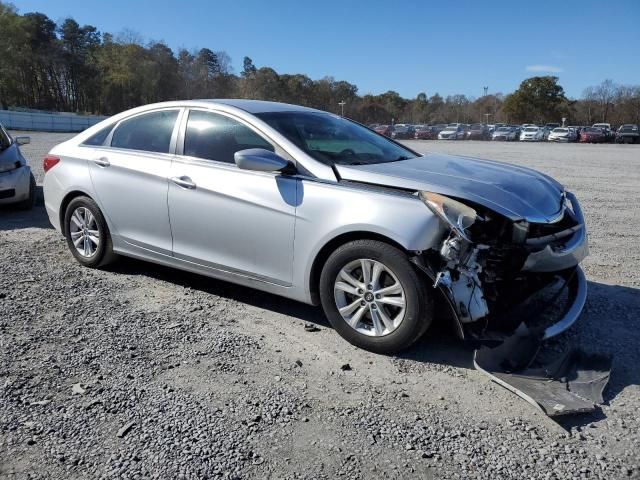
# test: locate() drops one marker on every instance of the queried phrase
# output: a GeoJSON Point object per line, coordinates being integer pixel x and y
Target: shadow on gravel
{"type": "Point", "coordinates": [13, 219]}
{"type": "Point", "coordinates": [609, 324]}
{"type": "Point", "coordinates": [267, 301]}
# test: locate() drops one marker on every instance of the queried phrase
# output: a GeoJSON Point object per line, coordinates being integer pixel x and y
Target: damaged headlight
{"type": "Point", "coordinates": [455, 214]}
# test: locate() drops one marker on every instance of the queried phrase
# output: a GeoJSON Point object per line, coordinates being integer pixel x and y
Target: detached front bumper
{"type": "Point", "coordinates": [15, 185]}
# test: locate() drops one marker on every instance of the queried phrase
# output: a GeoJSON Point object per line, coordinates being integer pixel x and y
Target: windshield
{"type": "Point", "coordinates": [560, 130]}
{"type": "Point", "coordinates": [593, 130]}
{"type": "Point", "coordinates": [476, 127]}
{"type": "Point", "coordinates": [504, 129]}
{"type": "Point", "coordinates": [334, 140]}
{"type": "Point", "coordinates": [531, 129]}
{"type": "Point", "coordinates": [628, 128]}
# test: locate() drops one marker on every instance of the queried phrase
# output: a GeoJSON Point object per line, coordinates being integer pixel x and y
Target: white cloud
{"type": "Point", "coordinates": [544, 68]}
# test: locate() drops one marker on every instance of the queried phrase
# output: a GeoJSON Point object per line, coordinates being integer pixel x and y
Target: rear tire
{"type": "Point", "coordinates": [384, 322]}
{"type": "Point", "coordinates": [87, 233]}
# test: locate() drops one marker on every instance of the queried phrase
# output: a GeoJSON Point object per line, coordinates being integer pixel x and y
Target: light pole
{"type": "Point", "coordinates": [342, 103]}
{"type": "Point", "coordinates": [486, 118]}
{"type": "Point", "coordinates": [485, 90]}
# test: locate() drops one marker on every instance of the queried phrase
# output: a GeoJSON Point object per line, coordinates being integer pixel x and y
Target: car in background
{"type": "Point", "coordinates": [385, 130]}
{"type": "Point", "coordinates": [478, 131]}
{"type": "Point", "coordinates": [628, 133]}
{"type": "Point", "coordinates": [427, 133]}
{"type": "Point", "coordinates": [532, 133]}
{"type": "Point", "coordinates": [17, 183]}
{"type": "Point", "coordinates": [592, 135]}
{"type": "Point", "coordinates": [452, 132]}
{"type": "Point", "coordinates": [507, 134]}
{"type": "Point", "coordinates": [402, 132]}
{"type": "Point", "coordinates": [551, 126]}
{"type": "Point", "coordinates": [606, 128]}
{"type": "Point", "coordinates": [562, 134]}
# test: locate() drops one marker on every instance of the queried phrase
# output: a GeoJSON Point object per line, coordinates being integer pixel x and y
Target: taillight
{"type": "Point", "coordinates": [49, 162]}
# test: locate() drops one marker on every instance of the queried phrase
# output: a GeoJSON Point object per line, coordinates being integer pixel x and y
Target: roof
{"type": "Point", "coordinates": [259, 106]}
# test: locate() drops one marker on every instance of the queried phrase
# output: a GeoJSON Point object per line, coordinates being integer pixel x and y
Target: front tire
{"type": "Point", "coordinates": [374, 298]}
{"type": "Point", "coordinates": [87, 233]}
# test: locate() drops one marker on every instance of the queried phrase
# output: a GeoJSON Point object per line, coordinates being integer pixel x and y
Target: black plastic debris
{"type": "Point", "coordinates": [571, 384]}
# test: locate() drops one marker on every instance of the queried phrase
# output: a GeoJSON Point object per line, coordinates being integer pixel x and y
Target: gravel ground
{"type": "Point", "coordinates": [144, 372]}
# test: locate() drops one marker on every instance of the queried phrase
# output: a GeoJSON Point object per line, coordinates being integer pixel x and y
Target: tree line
{"type": "Point", "coordinates": [73, 68]}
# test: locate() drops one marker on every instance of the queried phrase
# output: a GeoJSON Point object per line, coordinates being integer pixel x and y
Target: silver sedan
{"type": "Point", "coordinates": [317, 208]}
{"type": "Point", "coordinates": [17, 184]}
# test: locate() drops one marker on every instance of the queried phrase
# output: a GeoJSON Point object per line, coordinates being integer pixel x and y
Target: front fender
{"type": "Point", "coordinates": [328, 210]}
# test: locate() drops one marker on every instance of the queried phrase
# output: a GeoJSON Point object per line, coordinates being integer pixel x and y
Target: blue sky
{"type": "Point", "coordinates": [409, 46]}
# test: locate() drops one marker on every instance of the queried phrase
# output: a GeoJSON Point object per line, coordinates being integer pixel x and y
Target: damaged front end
{"type": "Point", "coordinates": [488, 266]}
{"type": "Point", "coordinates": [505, 280]}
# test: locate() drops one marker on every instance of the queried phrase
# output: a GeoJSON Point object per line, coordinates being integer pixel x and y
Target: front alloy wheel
{"type": "Point", "coordinates": [370, 297]}
{"type": "Point", "coordinates": [373, 297]}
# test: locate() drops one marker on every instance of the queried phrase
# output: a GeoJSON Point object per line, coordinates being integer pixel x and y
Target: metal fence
{"type": "Point", "coordinates": [47, 122]}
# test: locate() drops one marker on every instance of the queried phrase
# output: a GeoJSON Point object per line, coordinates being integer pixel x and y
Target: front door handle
{"type": "Point", "coordinates": [184, 182]}
{"type": "Point", "coordinates": [102, 161]}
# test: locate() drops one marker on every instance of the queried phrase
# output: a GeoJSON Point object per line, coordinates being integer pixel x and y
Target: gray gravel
{"type": "Point", "coordinates": [144, 372]}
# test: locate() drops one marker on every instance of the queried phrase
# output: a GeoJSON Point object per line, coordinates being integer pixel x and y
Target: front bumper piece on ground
{"type": "Point", "coordinates": [570, 384]}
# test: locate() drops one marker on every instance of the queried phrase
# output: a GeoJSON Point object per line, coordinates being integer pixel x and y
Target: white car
{"type": "Point", "coordinates": [504, 133]}
{"type": "Point", "coordinates": [532, 134]}
{"type": "Point", "coordinates": [561, 134]}
{"type": "Point", "coordinates": [17, 184]}
{"type": "Point", "coordinates": [451, 133]}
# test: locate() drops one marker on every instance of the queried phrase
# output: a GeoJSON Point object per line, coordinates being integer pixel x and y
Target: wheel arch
{"type": "Point", "coordinates": [66, 200]}
{"type": "Point", "coordinates": [329, 247]}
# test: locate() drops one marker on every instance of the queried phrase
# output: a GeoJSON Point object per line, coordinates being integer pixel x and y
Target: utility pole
{"type": "Point", "coordinates": [342, 103]}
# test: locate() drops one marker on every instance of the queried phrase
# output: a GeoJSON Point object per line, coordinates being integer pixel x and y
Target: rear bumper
{"type": "Point", "coordinates": [15, 185]}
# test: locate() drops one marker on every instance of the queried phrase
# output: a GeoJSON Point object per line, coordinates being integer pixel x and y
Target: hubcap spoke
{"type": "Point", "coordinates": [366, 271]}
{"type": "Point", "coordinates": [395, 301]}
{"type": "Point", "coordinates": [77, 219]}
{"type": "Point", "coordinates": [394, 289]}
{"type": "Point", "coordinates": [377, 323]}
{"type": "Point", "coordinates": [347, 277]}
{"type": "Point", "coordinates": [345, 287]}
{"type": "Point", "coordinates": [385, 319]}
{"type": "Point", "coordinates": [349, 308]}
{"type": "Point", "coordinates": [355, 318]}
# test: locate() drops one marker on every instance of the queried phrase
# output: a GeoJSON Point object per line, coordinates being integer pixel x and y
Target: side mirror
{"type": "Point", "coordinates": [259, 160]}
{"type": "Point", "coordinates": [23, 140]}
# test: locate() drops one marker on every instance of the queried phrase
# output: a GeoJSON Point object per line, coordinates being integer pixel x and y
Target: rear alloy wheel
{"type": "Point", "coordinates": [87, 233]}
{"type": "Point", "coordinates": [373, 297]}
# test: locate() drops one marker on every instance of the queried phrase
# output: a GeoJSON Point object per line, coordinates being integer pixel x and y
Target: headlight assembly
{"type": "Point", "coordinates": [8, 167]}
{"type": "Point", "coordinates": [456, 215]}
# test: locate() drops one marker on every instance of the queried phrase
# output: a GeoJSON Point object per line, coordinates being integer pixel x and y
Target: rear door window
{"type": "Point", "coordinates": [149, 132]}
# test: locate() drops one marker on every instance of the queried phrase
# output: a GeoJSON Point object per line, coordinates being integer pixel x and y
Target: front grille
{"type": "Point", "coordinates": [7, 193]}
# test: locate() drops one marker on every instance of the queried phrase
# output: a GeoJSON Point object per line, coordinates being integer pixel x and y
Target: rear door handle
{"type": "Point", "coordinates": [102, 161]}
{"type": "Point", "coordinates": [184, 182]}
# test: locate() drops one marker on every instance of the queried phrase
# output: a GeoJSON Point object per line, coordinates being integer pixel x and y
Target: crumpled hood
{"type": "Point", "coordinates": [513, 191]}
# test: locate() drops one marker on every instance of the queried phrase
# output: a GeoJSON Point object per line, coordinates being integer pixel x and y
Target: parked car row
{"type": "Point", "coordinates": [528, 132]}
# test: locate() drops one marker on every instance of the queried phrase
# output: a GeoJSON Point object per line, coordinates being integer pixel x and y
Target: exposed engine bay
{"type": "Point", "coordinates": [487, 265]}
{"type": "Point", "coordinates": [491, 270]}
